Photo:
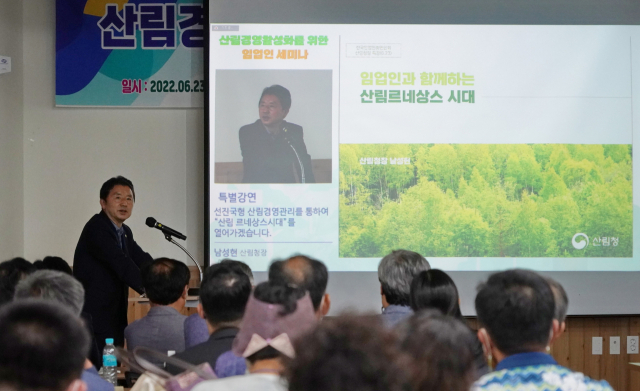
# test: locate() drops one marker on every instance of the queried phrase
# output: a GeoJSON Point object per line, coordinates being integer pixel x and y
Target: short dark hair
{"type": "Point", "coordinates": [164, 280]}
{"type": "Point", "coordinates": [303, 271]}
{"type": "Point", "coordinates": [11, 272]}
{"type": "Point", "coordinates": [517, 309]}
{"type": "Point", "coordinates": [561, 299]}
{"type": "Point", "coordinates": [278, 292]}
{"type": "Point", "coordinates": [224, 293]}
{"type": "Point", "coordinates": [283, 95]}
{"type": "Point", "coordinates": [441, 350]}
{"type": "Point", "coordinates": [20, 264]}
{"type": "Point", "coordinates": [265, 353]}
{"type": "Point", "coordinates": [396, 271]}
{"type": "Point", "coordinates": [435, 289]}
{"type": "Point", "coordinates": [113, 182]}
{"type": "Point", "coordinates": [348, 353]}
{"type": "Point", "coordinates": [44, 346]}
{"type": "Point", "coordinates": [56, 263]}
{"type": "Point", "coordinates": [241, 266]}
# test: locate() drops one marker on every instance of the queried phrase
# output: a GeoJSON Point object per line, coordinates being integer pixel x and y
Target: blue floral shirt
{"type": "Point", "coordinates": [536, 372]}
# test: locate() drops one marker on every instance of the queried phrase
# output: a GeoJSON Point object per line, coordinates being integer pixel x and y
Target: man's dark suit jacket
{"type": "Point", "coordinates": [269, 159]}
{"type": "Point", "coordinates": [219, 342]}
{"type": "Point", "coordinates": [106, 271]}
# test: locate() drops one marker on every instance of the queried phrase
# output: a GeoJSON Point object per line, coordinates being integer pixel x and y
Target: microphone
{"type": "Point", "coordinates": [168, 233]}
{"type": "Point", "coordinates": [152, 223]}
{"type": "Point", "coordinates": [286, 137]}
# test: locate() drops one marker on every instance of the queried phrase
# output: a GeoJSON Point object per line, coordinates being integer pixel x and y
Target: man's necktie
{"type": "Point", "coordinates": [123, 242]}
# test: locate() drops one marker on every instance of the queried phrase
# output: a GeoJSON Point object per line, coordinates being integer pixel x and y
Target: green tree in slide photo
{"type": "Point", "coordinates": [485, 200]}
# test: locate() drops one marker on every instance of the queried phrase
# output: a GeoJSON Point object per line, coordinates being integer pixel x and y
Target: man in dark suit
{"type": "Point", "coordinates": [107, 261]}
{"type": "Point", "coordinates": [224, 293]}
{"type": "Point", "coordinates": [273, 150]}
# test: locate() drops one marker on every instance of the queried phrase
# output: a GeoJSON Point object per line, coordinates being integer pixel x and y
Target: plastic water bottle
{"type": "Point", "coordinates": [109, 362]}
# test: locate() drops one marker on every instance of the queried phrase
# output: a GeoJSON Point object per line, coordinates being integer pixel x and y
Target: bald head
{"type": "Point", "coordinates": [298, 268]}
{"type": "Point", "coordinates": [307, 273]}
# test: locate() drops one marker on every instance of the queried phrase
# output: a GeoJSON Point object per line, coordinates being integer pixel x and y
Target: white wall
{"type": "Point", "coordinates": [11, 185]}
{"type": "Point", "coordinates": [70, 152]}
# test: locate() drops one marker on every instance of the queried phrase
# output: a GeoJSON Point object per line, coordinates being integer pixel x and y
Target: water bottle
{"type": "Point", "coordinates": [109, 362]}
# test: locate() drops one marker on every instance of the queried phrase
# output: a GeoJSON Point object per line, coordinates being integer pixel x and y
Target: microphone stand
{"type": "Point", "coordinates": [170, 239]}
{"type": "Point", "coordinates": [296, 152]}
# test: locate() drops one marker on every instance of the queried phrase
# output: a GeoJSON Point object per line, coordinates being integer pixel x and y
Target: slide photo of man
{"type": "Point", "coordinates": [273, 149]}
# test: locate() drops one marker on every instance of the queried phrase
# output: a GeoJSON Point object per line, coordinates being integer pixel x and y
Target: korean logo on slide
{"type": "Point", "coordinates": [580, 244]}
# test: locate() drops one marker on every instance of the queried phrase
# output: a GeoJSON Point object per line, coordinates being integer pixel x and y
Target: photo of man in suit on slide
{"type": "Point", "coordinates": [273, 150]}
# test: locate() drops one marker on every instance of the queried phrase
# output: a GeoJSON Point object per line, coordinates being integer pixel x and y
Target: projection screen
{"type": "Point", "coordinates": [482, 144]}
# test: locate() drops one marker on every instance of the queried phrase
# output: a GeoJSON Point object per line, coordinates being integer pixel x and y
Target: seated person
{"type": "Point", "coordinates": [275, 317]}
{"type": "Point", "coordinates": [440, 350]}
{"type": "Point", "coordinates": [166, 282]}
{"type": "Point", "coordinates": [241, 267]}
{"type": "Point", "coordinates": [516, 311]}
{"type": "Point", "coordinates": [345, 354]}
{"type": "Point", "coordinates": [64, 289]}
{"type": "Point", "coordinates": [308, 274]}
{"type": "Point", "coordinates": [11, 272]}
{"type": "Point", "coordinates": [434, 289]}
{"type": "Point", "coordinates": [195, 327]}
{"type": "Point", "coordinates": [224, 293]}
{"type": "Point", "coordinates": [395, 273]}
{"type": "Point", "coordinates": [44, 347]}
{"type": "Point", "coordinates": [562, 305]}
{"type": "Point", "coordinates": [55, 263]}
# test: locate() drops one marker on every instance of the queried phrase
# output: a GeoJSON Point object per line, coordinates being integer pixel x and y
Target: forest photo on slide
{"type": "Point", "coordinates": [486, 200]}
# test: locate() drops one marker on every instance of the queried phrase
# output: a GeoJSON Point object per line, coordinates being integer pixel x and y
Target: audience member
{"type": "Point", "coordinates": [516, 310]}
{"type": "Point", "coordinates": [434, 289]}
{"type": "Point", "coordinates": [276, 315]}
{"type": "Point", "coordinates": [166, 282]}
{"type": "Point", "coordinates": [195, 327]}
{"type": "Point", "coordinates": [57, 289]}
{"type": "Point", "coordinates": [239, 266]}
{"type": "Point", "coordinates": [25, 267]}
{"type": "Point", "coordinates": [56, 263]}
{"type": "Point", "coordinates": [395, 273]}
{"type": "Point", "coordinates": [308, 274]}
{"type": "Point", "coordinates": [440, 350]}
{"type": "Point", "coordinates": [348, 353]}
{"type": "Point", "coordinates": [223, 297]}
{"type": "Point", "coordinates": [44, 347]}
{"type": "Point", "coordinates": [562, 305]}
{"type": "Point", "coordinates": [53, 285]}
{"type": "Point", "coordinates": [11, 272]}
{"type": "Point", "coordinates": [63, 289]}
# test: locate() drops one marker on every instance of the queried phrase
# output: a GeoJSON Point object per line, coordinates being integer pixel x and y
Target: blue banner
{"type": "Point", "coordinates": [135, 53]}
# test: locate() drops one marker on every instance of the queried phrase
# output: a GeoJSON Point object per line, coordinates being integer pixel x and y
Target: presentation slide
{"type": "Point", "coordinates": [481, 147]}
